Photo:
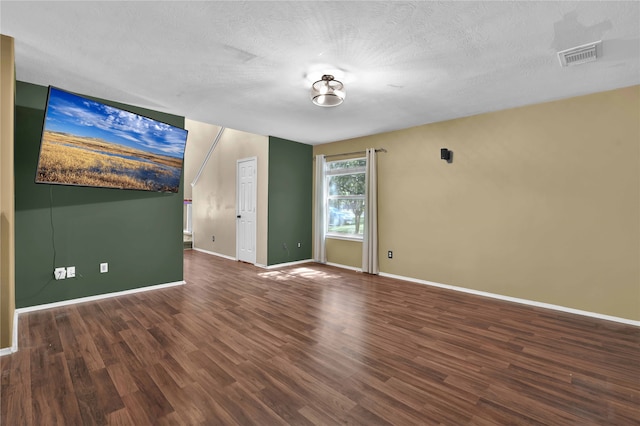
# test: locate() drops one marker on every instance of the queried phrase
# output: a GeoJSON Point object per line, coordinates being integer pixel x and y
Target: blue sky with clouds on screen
{"type": "Point", "coordinates": [79, 116]}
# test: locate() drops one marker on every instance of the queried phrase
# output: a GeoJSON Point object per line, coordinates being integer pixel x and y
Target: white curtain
{"type": "Point", "coordinates": [370, 239]}
{"type": "Point", "coordinates": [319, 249]}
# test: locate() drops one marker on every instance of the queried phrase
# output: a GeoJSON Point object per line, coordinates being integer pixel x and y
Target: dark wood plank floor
{"type": "Point", "coordinates": [316, 345]}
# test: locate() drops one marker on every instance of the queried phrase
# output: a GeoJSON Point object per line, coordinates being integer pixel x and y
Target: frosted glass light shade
{"type": "Point", "coordinates": [327, 92]}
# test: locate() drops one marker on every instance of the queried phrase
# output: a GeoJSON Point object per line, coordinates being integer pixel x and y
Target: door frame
{"type": "Point", "coordinates": [255, 204]}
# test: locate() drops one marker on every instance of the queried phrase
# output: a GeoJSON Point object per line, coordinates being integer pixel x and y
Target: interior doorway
{"type": "Point", "coordinates": [246, 229]}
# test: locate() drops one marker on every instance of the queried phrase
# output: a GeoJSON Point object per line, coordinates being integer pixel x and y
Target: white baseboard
{"type": "Point", "coordinates": [259, 265]}
{"type": "Point", "coordinates": [214, 253]}
{"type": "Point", "coordinates": [97, 297]}
{"type": "Point", "coordinates": [283, 265]}
{"type": "Point", "coordinates": [14, 339]}
{"type": "Point", "coordinates": [14, 347]}
{"type": "Point", "coordinates": [17, 312]}
{"type": "Point", "coordinates": [351, 268]}
{"type": "Point", "coordinates": [500, 297]}
{"type": "Point", "coordinates": [516, 300]}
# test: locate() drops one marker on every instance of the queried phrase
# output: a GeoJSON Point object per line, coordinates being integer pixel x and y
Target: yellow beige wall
{"type": "Point", "coordinates": [214, 195]}
{"type": "Point", "coordinates": [199, 140]}
{"type": "Point", "coordinates": [541, 203]}
{"type": "Point", "coordinates": [7, 214]}
{"type": "Point", "coordinates": [344, 252]}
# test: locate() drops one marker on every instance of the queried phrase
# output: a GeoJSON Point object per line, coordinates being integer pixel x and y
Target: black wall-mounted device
{"type": "Point", "coordinates": [446, 155]}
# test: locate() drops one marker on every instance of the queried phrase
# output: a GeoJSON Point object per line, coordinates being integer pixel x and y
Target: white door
{"type": "Point", "coordinates": [246, 210]}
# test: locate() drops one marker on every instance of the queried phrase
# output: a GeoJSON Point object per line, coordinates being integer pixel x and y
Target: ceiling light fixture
{"type": "Point", "coordinates": [327, 92]}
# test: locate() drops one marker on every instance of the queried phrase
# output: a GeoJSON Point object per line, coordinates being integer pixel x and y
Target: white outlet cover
{"type": "Point", "coordinates": [71, 271]}
{"type": "Point", "coordinates": [104, 267]}
{"type": "Point", "coordinates": [60, 273]}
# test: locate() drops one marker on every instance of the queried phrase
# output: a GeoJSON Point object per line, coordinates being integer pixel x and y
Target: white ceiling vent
{"type": "Point", "coordinates": [581, 54]}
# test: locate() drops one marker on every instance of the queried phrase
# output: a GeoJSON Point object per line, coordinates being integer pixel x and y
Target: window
{"type": "Point", "coordinates": [345, 183]}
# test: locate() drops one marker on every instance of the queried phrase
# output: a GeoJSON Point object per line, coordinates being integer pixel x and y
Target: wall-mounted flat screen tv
{"type": "Point", "coordinates": [88, 143]}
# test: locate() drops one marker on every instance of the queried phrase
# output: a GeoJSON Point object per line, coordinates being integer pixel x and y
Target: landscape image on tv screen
{"type": "Point", "coordinates": [88, 143]}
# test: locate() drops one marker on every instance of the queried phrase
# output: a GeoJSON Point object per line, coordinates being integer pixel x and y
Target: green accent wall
{"type": "Point", "coordinates": [290, 201]}
{"type": "Point", "coordinates": [138, 233]}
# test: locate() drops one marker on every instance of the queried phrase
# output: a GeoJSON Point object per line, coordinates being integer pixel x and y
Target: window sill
{"type": "Point", "coordinates": [344, 237]}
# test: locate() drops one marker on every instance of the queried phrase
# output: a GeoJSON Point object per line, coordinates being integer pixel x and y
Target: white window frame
{"type": "Point", "coordinates": [328, 173]}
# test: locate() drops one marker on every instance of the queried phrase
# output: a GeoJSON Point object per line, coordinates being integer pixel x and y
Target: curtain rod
{"type": "Point", "coordinates": [353, 153]}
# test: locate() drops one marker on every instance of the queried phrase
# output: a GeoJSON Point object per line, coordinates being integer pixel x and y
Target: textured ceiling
{"type": "Point", "coordinates": [249, 65]}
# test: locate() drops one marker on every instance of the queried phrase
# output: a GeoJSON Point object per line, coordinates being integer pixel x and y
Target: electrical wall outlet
{"type": "Point", "coordinates": [71, 271]}
{"type": "Point", "coordinates": [299, 245]}
{"type": "Point", "coordinates": [60, 273]}
{"type": "Point", "coordinates": [390, 254]}
{"type": "Point", "coordinates": [104, 267]}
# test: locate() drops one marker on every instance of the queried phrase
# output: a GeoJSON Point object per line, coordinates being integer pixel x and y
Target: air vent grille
{"type": "Point", "coordinates": [581, 54]}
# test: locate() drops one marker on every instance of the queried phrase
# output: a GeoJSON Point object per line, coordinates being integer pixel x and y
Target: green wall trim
{"type": "Point", "coordinates": [138, 233]}
{"type": "Point", "coordinates": [290, 201]}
